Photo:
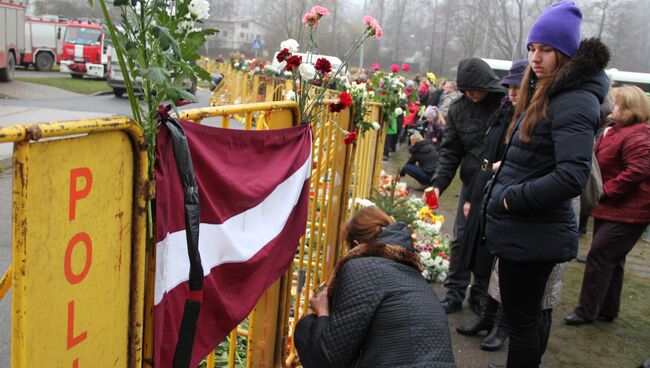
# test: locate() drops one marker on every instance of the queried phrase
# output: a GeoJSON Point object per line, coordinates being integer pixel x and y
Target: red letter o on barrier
{"type": "Point", "coordinates": [67, 263]}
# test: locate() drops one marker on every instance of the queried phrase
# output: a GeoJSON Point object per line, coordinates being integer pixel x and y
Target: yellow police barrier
{"type": "Point", "coordinates": [272, 322]}
{"type": "Point", "coordinates": [78, 243]}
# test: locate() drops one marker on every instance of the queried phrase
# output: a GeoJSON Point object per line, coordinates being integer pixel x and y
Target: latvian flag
{"type": "Point", "coordinates": [253, 189]}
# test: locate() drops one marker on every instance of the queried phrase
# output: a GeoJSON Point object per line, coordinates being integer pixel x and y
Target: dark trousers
{"type": "Point", "coordinates": [602, 283]}
{"type": "Point", "coordinates": [302, 338]}
{"type": "Point", "coordinates": [522, 288]}
{"type": "Point", "coordinates": [390, 144]}
{"type": "Point", "coordinates": [417, 173]}
{"type": "Point", "coordinates": [459, 276]}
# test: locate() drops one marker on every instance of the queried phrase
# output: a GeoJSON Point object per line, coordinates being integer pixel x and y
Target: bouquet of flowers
{"type": "Point", "coordinates": [360, 95]}
{"type": "Point", "coordinates": [436, 266]}
{"type": "Point", "coordinates": [311, 77]}
{"type": "Point", "coordinates": [433, 247]}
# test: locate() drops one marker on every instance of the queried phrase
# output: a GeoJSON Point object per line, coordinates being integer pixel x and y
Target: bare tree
{"type": "Point", "coordinates": [506, 28]}
{"type": "Point", "coordinates": [469, 19]}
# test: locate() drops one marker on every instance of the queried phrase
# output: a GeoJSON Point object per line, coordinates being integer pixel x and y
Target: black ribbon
{"type": "Point", "coordinates": [187, 331]}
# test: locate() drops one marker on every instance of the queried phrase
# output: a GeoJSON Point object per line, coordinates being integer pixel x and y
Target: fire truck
{"type": "Point", "coordinates": [85, 49]}
{"type": "Point", "coordinates": [12, 38]}
{"type": "Point", "coordinates": [43, 42]}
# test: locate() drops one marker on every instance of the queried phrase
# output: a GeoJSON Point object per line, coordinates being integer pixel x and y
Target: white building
{"type": "Point", "coordinates": [244, 35]}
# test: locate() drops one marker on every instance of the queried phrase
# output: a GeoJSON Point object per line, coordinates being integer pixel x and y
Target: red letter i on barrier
{"type": "Point", "coordinates": [73, 340]}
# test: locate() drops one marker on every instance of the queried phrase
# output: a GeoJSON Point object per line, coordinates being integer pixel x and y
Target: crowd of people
{"type": "Point", "coordinates": [523, 146]}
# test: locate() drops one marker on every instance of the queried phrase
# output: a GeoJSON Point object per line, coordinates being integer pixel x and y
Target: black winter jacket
{"type": "Point", "coordinates": [466, 123]}
{"type": "Point", "coordinates": [424, 153]}
{"type": "Point", "coordinates": [538, 179]}
{"type": "Point", "coordinates": [473, 250]}
{"type": "Point", "coordinates": [382, 311]}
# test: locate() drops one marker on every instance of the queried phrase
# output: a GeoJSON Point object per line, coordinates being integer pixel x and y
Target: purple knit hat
{"type": "Point", "coordinates": [558, 27]}
{"type": "Point", "coordinates": [516, 73]}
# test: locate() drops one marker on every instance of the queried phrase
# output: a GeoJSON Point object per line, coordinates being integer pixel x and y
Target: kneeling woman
{"type": "Point", "coordinates": [378, 311]}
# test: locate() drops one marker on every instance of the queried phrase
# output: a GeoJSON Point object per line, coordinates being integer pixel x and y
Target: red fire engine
{"type": "Point", "coordinates": [12, 38]}
{"type": "Point", "coordinates": [43, 39]}
{"type": "Point", "coordinates": [84, 50]}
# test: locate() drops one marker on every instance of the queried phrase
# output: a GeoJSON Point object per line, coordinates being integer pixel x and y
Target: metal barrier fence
{"type": "Point", "coordinates": [339, 174]}
{"type": "Point", "coordinates": [78, 239]}
{"type": "Point", "coordinates": [331, 182]}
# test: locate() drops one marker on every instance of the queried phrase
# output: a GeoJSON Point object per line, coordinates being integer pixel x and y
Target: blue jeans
{"type": "Point", "coordinates": [417, 173]}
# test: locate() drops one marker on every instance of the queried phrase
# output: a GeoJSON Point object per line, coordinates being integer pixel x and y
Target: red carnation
{"type": "Point", "coordinates": [283, 55]}
{"type": "Point", "coordinates": [350, 138]}
{"type": "Point", "coordinates": [394, 68]}
{"type": "Point", "coordinates": [406, 67]}
{"type": "Point", "coordinates": [293, 62]}
{"type": "Point", "coordinates": [345, 99]}
{"type": "Point", "coordinates": [323, 66]}
{"type": "Point", "coordinates": [336, 107]}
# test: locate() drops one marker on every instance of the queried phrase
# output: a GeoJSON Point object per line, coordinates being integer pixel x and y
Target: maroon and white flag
{"type": "Point", "coordinates": [253, 188]}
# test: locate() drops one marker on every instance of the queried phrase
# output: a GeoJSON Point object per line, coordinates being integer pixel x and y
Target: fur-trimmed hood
{"type": "Point", "coordinates": [396, 253]}
{"type": "Point", "coordinates": [585, 70]}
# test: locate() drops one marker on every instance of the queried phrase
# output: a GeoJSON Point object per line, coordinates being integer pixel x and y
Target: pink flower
{"type": "Point", "coordinates": [406, 67]}
{"type": "Point", "coordinates": [394, 68]}
{"type": "Point", "coordinates": [320, 11]}
{"type": "Point", "coordinates": [373, 26]}
{"type": "Point", "coordinates": [374, 66]}
{"type": "Point", "coordinates": [310, 19]}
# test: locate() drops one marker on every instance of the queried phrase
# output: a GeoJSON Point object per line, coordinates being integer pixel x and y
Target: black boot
{"type": "Point", "coordinates": [499, 334]}
{"type": "Point", "coordinates": [483, 322]}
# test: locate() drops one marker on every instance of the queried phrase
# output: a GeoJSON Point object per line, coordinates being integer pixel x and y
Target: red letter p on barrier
{"type": "Point", "coordinates": [75, 194]}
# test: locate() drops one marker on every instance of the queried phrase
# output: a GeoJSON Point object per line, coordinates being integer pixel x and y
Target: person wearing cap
{"type": "Point", "coordinates": [377, 310]}
{"type": "Point", "coordinates": [474, 253]}
{"type": "Point", "coordinates": [461, 147]}
{"type": "Point", "coordinates": [530, 224]}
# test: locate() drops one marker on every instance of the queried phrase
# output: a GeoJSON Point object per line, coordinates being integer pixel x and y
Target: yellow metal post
{"type": "Point", "coordinates": [78, 266]}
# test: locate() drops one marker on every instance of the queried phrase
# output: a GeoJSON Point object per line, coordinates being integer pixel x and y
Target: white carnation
{"type": "Point", "coordinates": [200, 9]}
{"type": "Point", "coordinates": [307, 71]}
{"type": "Point", "coordinates": [399, 111]}
{"type": "Point", "coordinates": [362, 202]}
{"type": "Point", "coordinates": [290, 44]}
{"type": "Point", "coordinates": [426, 274]}
{"type": "Point", "coordinates": [290, 95]}
{"type": "Point", "coordinates": [375, 125]}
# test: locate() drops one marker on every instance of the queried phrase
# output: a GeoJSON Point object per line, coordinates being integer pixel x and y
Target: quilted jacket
{"type": "Point", "coordinates": [383, 314]}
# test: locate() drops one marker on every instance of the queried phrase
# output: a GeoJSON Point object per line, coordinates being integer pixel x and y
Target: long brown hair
{"type": "Point", "coordinates": [535, 106]}
{"type": "Point", "coordinates": [365, 226]}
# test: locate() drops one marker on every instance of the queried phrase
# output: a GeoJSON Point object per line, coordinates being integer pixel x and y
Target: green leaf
{"type": "Point", "coordinates": [166, 39]}
{"type": "Point", "coordinates": [202, 73]}
{"type": "Point", "coordinates": [90, 2]}
{"type": "Point", "coordinates": [155, 74]}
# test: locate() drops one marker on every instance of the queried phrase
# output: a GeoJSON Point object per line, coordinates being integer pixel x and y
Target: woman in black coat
{"type": "Point", "coordinates": [474, 252]}
{"type": "Point", "coordinates": [530, 224]}
{"type": "Point", "coordinates": [378, 310]}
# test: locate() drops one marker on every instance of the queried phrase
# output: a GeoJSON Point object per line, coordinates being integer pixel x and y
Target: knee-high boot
{"type": "Point", "coordinates": [484, 321]}
{"type": "Point", "coordinates": [498, 335]}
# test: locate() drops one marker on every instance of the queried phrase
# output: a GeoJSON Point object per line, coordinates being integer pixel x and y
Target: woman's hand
{"type": "Point", "coordinates": [505, 204]}
{"type": "Point", "coordinates": [319, 304]}
{"type": "Point", "coordinates": [496, 166]}
{"type": "Point", "coordinates": [466, 207]}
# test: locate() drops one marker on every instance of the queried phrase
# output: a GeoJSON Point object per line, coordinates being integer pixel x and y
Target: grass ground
{"type": "Point", "coordinates": [83, 86]}
{"type": "Point", "coordinates": [622, 343]}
